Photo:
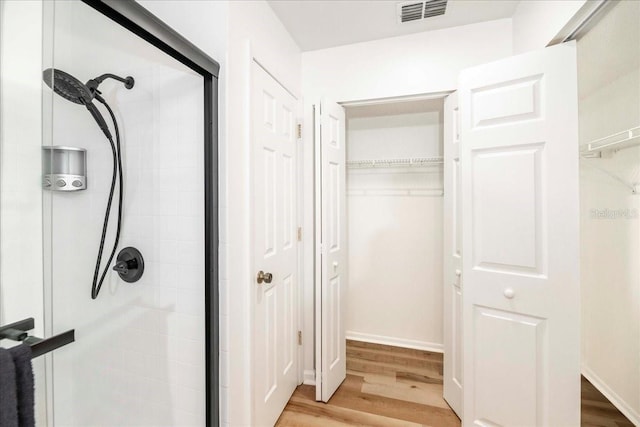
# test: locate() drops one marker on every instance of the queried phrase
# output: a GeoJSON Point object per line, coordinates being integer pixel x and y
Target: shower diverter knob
{"type": "Point", "coordinates": [129, 265]}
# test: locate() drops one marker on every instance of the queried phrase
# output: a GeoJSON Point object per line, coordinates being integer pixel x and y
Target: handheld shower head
{"type": "Point", "coordinates": [75, 91]}
{"type": "Point", "coordinates": [67, 86]}
{"type": "Point", "coordinates": [72, 89]}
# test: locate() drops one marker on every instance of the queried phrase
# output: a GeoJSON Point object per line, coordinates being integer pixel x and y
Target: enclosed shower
{"type": "Point", "coordinates": [130, 265]}
{"type": "Point", "coordinates": [107, 220]}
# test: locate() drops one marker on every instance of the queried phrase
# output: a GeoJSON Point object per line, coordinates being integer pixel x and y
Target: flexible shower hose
{"type": "Point", "coordinates": [117, 173]}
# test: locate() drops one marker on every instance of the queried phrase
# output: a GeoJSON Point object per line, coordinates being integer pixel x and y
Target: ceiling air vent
{"type": "Point", "coordinates": [415, 11]}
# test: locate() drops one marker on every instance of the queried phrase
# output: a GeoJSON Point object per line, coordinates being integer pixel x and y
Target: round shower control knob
{"type": "Point", "coordinates": [61, 183]}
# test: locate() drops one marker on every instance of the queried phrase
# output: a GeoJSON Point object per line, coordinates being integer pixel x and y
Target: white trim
{"type": "Point", "coordinates": [584, 19]}
{"type": "Point", "coordinates": [248, 220]}
{"type": "Point", "coordinates": [300, 225]}
{"type": "Point", "coordinates": [309, 377]}
{"type": "Point", "coordinates": [396, 342]}
{"type": "Point", "coordinates": [613, 397]}
{"type": "Point", "coordinates": [404, 192]}
{"type": "Point", "coordinates": [394, 99]}
{"type": "Point", "coordinates": [317, 266]}
{"type": "Point", "coordinates": [266, 70]}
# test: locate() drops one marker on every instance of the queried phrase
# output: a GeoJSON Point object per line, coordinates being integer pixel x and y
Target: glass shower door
{"type": "Point", "coordinates": [139, 355]}
{"type": "Point", "coordinates": [22, 206]}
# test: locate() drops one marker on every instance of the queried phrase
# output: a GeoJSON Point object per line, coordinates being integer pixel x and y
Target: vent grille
{"type": "Point", "coordinates": [411, 12]}
{"type": "Point", "coordinates": [416, 11]}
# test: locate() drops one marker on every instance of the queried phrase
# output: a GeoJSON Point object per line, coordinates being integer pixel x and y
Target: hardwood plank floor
{"type": "Point", "coordinates": [385, 386]}
{"type": "Point", "coordinates": [393, 386]}
{"type": "Point", "coordinates": [597, 411]}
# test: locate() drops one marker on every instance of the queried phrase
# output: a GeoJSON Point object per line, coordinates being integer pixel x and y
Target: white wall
{"type": "Point", "coordinates": [395, 228]}
{"type": "Point", "coordinates": [21, 199]}
{"type": "Point", "coordinates": [609, 90]}
{"type": "Point", "coordinates": [254, 30]}
{"type": "Point", "coordinates": [406, 65]}
{"type": "Point", "coordinates": [536, 23]}
{"type": "Point", "coordinates": [21, 260]}
{"type": "Point", "coordinates": [203, 23]}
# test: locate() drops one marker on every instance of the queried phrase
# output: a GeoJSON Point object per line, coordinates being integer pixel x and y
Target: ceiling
{"type": "Point", "coordinates": [319, 24]}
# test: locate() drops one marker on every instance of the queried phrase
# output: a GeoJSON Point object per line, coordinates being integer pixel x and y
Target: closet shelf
{"type": "Point", "coordinates": [618, 141]}
{"type": "Point", "coordinates": [395, 163]}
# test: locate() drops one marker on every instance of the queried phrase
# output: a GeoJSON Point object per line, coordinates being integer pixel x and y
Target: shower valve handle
{"type": "Point", "coordinates": [129, 265]}
{"type": "Point", "coordinates": [124, 266]}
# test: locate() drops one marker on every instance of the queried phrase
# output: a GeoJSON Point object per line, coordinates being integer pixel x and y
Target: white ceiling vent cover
{"type": "Point", "coordinates": [416, 11]}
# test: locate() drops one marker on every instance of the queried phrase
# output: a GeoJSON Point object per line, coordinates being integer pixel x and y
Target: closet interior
{"type": "Point", "coordinates": [395, 221]}
{"type": "Point", "coordinates": [609, 118]}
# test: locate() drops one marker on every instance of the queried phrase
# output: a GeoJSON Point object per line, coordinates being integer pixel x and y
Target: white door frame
{"type": "Point", "coordinates": [311, 208]}
{"type": "Point", "coordinates": [253, 59]}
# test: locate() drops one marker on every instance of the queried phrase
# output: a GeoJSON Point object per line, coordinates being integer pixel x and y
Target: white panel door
{"type": "Point", "coordinates": [274, 246]}
{"type": "Point", "coordinates": [331, 364]}
{"type": "Point", "coordinates": [519, 148]}
{"type": "Point", "coordinates": [452, 256]}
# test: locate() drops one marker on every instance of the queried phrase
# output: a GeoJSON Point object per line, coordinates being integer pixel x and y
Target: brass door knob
{"type": "Point", "coordinates": [264, 277]}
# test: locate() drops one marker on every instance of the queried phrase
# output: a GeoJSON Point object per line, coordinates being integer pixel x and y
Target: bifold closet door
{"type": "Point", "coordinates": [452, 257]}
{"type": "Point", "coordinates": [519, 150]}
{"type": "Point", "coordinates": [331, 248]}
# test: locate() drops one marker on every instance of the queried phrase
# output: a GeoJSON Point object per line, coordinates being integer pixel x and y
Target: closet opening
{"type": "Point", "coordinates": [394, 188]}
{"type": "Point", "coordinates": [394, 316]}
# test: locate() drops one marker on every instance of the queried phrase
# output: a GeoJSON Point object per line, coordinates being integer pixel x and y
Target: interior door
{"type": "Point", "coordinates": [331, 241]}
{"type": "Point", "coordinates": [452, 257]}
{"type": "Point", "coordinates": [274, 245]}
{"type": "Point", "coordinates": [520, 242]}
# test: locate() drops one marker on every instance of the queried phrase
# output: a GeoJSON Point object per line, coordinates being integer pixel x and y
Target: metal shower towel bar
{"type": "Point", "coordinates": [18, 332]}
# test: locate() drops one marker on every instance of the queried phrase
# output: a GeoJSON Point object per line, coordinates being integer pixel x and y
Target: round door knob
{"type": "Point", "coordinates": [264, 277]}
{"type": "Point", "coordinates": [509, 293]}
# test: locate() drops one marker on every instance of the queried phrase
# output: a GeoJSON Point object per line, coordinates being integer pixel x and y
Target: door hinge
{"type": "Point", "coordinates": [299, 130]}
{"type": "Point", "coordinates": [299, 234]}
{"type": "Point", "coordinates": [299, 337]}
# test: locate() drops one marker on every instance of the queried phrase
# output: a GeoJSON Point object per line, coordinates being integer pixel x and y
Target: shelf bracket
{"type": "Point", "coordinates": [631, 186]}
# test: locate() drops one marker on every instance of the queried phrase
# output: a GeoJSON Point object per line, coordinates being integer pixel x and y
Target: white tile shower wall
{"type": "Point", "coordinates": [139, 357]}
{"type": "Point", "coordinates": [21, 261]}
{"type": "Point", "coordinates": [20, 136]}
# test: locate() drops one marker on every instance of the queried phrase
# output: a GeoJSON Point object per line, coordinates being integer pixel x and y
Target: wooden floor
{"type": "Point", "coordinates": [597, 411]}
{"type": "Point", "coordinates": [392, 386]}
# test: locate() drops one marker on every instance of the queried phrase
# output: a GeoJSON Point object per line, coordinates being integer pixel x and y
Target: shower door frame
{"type": "Point", "coordinates": [135, 18]}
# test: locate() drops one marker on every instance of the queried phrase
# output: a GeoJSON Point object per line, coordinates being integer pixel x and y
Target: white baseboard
{"type": "Point", "coordinates": [397, 342]}
{"type": "Point", "coordinates": [613, 397]}
{"type": "Point", "coordinates": [309, 377]}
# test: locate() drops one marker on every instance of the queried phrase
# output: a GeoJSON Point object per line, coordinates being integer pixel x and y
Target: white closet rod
{"type": "Point", "coordinates": [617, 141]}
{"type": "Point", "coordinates": [393, 163]}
